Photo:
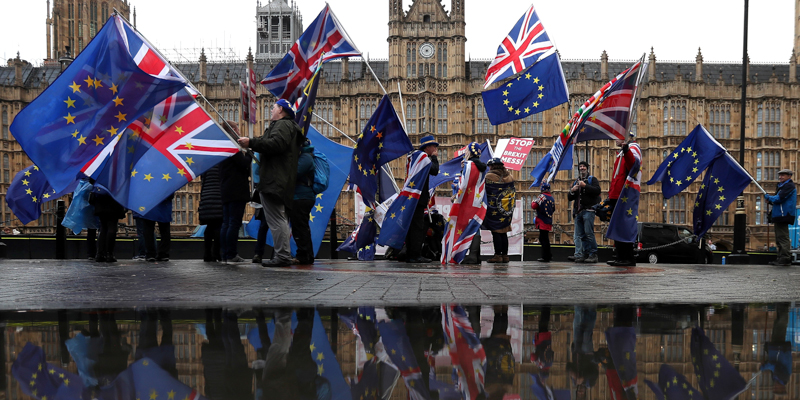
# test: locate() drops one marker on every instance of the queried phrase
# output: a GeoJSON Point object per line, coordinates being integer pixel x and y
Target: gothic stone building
{"type": "Point", "coordinates": [441, 93]}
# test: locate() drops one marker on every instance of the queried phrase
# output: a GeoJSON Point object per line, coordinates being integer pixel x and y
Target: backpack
{"type": "Point", "coordinates": [322, 172]}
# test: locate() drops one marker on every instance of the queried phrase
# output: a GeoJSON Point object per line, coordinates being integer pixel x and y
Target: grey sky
{"type": "Point", "coordinates": [581, 29]}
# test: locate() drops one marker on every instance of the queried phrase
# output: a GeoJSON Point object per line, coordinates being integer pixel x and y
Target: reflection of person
{"type": "Point", "coordinates": [784, 204]}
{"type": "Point", "coordinates": [582, 368]}
{"type": "Point", "coordinates": [778, 351]}
{"type": "Point", "coordinates": [500, 364]}
{"type": "Point", "coordinates": [162, 353]}
{"type": "Point", "coordinates": [161, 215]}
{"type": "Point", "coordinates": [585, 193]}
{"type": "Point", "coordinates": [545, 207]}
{"type": "Point", "coordinates": [225, 368]}
{"type": "Point", "coordinates": [289, 370]}
{"type": "Point", "coordinates": [416, 230]}
{"type": "Point", "coordinates": [500, 199]}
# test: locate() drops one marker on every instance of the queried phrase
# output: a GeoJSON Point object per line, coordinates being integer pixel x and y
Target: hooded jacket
{"type": "Point", "coordinates": [280, 150]}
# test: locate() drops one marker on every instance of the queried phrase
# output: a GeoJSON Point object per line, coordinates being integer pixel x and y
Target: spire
{"type": "Point", "coordinates": [604, 66]}
{"type": "Point", "coordinates": [134, 17]}
{"type": "Point", "coordinates": [698, 68]}
{"type": "Point", "coordinates": [651, 69]}
{"type": "Point", "coordinates": [793, 68]}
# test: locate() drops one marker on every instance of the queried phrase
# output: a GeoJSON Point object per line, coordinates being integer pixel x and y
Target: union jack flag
{"type": "Point", "coordinates": [466, 351]}
{"type": "Point", "coordinates": [324, 40]}
{"type": "Point", "coordinates": [522, 48]}
{"type": "Point", "coordinates": [466, 215]}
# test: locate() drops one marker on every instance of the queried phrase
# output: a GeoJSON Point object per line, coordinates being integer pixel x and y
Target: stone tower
{"type": "Point", "coordinates": [74, 23]}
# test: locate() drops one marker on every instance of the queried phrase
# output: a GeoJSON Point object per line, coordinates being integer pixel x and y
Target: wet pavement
{"type": "Point", "coordinates": [72, 284]}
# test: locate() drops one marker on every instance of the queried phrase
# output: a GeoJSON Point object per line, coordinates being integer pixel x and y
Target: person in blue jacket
{"type": "Point", "coordinates": [784, 205]}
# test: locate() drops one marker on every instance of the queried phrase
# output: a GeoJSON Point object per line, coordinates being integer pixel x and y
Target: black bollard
{"type": "Point", "coordinates": [334, 237]}
{"type": "Point", "coordinates": [61, 232]}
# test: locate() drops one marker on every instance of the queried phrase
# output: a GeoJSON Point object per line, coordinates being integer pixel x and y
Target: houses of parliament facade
{"type": "Point", "coordinates": [441, 95]}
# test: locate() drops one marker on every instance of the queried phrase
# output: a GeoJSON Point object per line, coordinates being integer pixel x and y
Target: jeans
{"type": "Point", "coordinates": [232, 213]}
{"type": "Point", "coordinates": [584, 233]}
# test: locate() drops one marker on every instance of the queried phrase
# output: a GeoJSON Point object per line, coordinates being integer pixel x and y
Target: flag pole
{"type": "Point", "coordinates": [402, 107]}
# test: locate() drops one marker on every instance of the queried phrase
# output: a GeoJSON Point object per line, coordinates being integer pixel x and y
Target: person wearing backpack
{"type": "Point", "coordinates": [304, 199]}
{"type": "Point", "coordinates": [545, 207]}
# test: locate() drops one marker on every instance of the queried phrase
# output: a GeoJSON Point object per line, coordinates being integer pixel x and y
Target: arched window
{"type": "Point", "coordinates": [104, 9]}
{"type": "Point", "coordinates": [92, 18]}
{"type": "Point", "coordinates": [768, 119]}
{"type": "Point", "coordinates": [4, 124]}
{"type": "Point", "coordinates": [532, 126]}
{"type": "Point", "coordinates": [6, 169]}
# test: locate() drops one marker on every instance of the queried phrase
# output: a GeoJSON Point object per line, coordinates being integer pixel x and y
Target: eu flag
{"type": "Point", "coordinates": [552, 161]}
{"type": "Point", "coordinates": [673, 386]}
{"type": "Point", "coordinates": [623, 225]}
{"type": "Point", "coordinates": [382, 140]}
{"type": "Point", "coordinates": [367, 232]}
{"type": "Point", "coordinates": [687, 162]}
{"type": "Point", "coordinates": [724, 180]}
{"type": "Point", "coordinates": [398, 347]}
{"type": "Point", "coordinates": [144, 379]}
{"type": "Point", "coordinates": [327, 365]}
{"type": "Point", "coordinates": [90, 103]}
{"type": "Point", "coordinates": [306, 111]}
{"type": "Point", "coordinates": [39, 379]}
{"type": "Point", "coordinates": [541, 87]}
{"type": "Point", "coordinates": [717, 378]}
{"type": "Point", "coordinates": [398, 217]}
{"type": "Point", "coordinates": [622, 346]}
{"type": "Point", "coordinates": [452, 169]}
{"type": "Point", "coordinates": [28, 190]}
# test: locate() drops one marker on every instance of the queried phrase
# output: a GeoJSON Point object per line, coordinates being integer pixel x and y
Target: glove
{"type": "Point", "coordinates": [625, 148]}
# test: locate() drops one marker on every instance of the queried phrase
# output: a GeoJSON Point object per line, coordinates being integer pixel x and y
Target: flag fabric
{"type": "Point", "coordinates": [162, 151]}
{"type": "Point", "coordinates": [365, 240]}
{"type": "Point", "coordinates": [41, 380]}
{"type": "Point", "coordinates": [109, 84]}
{"type": "Point", "coordinates": [322, 41]}
{"type": "Point", "coordinates": [28, 190]}
{"type": "Point", "coordinates": [716, 377]}
{"type": "Point", "coordinates": [687, 162]}
{"type": "Point", "coordinates": [398, 348]}
{"type": "Point", "coordinates": [673, 386]}
{"type": "Point", "coordinates": [542, 391]}
{"type": "Point", "coordinates": [466, 351]}
{"type": "Point", "coordinates": [723, 182]}
{"type": "Point", "coordinates": [500, 203]}
{"type": "Point", "coordinates": [244, 97]}
{"type": "Point", "coordinates": [145, 379]}
{"type": "Point", "coordinates": [622, 346]}
{"type": "Point", "coordinates": [562, 148]}
{"type": "Point", "coordinates": [305, 112]}
{"type": "Point", "coordinates": [623, 226]}
{"type": "Point", "coordinates": [398, 216]}
{"type": "Point", "coordinates": [525, 44]}
{"type": "Point", "coordinates": [466, 215]}
{"type": "Point", "coordinates": [541, 87]}
{"type": "Point", "coordinates": [382, 141]}
{"type": "Point", "coordinates": [452, 169]}
{"type": "Point", "coordinates": [327, 365]}
{"type": "Point", "coordinates": [368, 382]}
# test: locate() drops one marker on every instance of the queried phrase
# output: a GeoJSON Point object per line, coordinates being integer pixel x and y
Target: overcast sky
{"type": "Point", "coordinates": [581, 29]}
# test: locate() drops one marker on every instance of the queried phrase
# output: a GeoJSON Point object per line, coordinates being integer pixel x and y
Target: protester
{"type": "Point", "coordinates": [304, 199]}
{"type": "Point", "coordinates": [280, 149]}
{"type": "Point", "coordinates": [622, 166]}
{"type": "Point", "coordinates": [585, 193]}
{"type": "Point", "coordinates": [235, 186]}
{"type": "Point", "coordinates": [109, 212]}
{"type": "Point", "coordinates": [545, 207]}
{"type": "Point", "coordinates": [416, 230]}
{"type": "Point", "coordinates": [784, 204]}
{"type": "Point", "coordinates": [210, 213]}
{"type": "Point", "coordinates": [473, 154]}
{"type": "Point", "coordinates": [162, 215]}
{"type": "Point", "coordinates": [500, 199]}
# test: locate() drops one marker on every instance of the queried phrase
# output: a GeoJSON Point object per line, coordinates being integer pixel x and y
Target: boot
{"type": "Point", "coordinates": [474, 255]}
{"type": "Point", "coordinates": [496, 259]}
{"type": "Point", "coordinates": [505, 259]}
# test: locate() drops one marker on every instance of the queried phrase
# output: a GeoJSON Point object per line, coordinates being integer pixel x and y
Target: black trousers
{"type": "Point", "coordinates": [107, 236]}
{"type": "Point", "coordinates": [150, 238]}
{"type": "Point", "coordinates": [300, 230]}
{"type": "Point", "coordinates": [91, 243]}
{"type": "Point", "coordinates": [544, 240]}
{"type": "Point", "coordinates": [624, 251]}
{"type": "Point", "coordinates": [416, 232]}
{"type": "Point", "coordinates": [211, 240]}
{"type": "Point", "coordinates": [500, 242]}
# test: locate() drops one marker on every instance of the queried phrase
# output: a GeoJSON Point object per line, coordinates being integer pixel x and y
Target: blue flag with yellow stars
{"type": "Point", "coordinates": [716, 377]}
{"type": "Point", "coordinates": [623, 225]}
{"type": "Point", "coordinates": [144, 379]}
{"type": "Point", "coordinates": [327, 365]}
{"type": "Point", "coordinates": [541, 87]}
{"type": "Point", "coordinates": [39, 379]}
{"type": "Point", "coordinates": [452, 169]}
{"type": "Point", "coordinates": [673, 386]}
{"type": "Point", "coordinates": [92, 101]}
{"type": "Point", "coordinates": [367, 233]}
{"type": "Point", "coordinates": [382, 140]}
{"type": "Point", "coordinates": [622, 346]}
{"type": "Point", "coordinates": [398, 347]}
{"type": "Point", "coordinates": [687, 162]}
{"type": "Point", "coordinates": [724, 180]}
{"type": "Point", "coordinates": [28, 190]}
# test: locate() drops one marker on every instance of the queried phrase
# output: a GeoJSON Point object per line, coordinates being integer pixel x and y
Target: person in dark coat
{"type": "Point", "coordinates": [304, 199]}
{"type": "Point", "coordinates": [235, 173]}
{"type": "Point", "coordinates": [109, 212]}
{"type": "Point", "coordinates": [784, 204]}
{"type": "Point", "coordinates": [210, 213]}
{"type": "Point", "coordinates": [417, 228]}
{"type": "Point", "coordinates": [161, 215]}
{"type": "Point", "coordinates": [280, 149]}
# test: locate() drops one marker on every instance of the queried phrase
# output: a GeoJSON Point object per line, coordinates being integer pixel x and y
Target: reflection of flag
{"type": "Point", "coordinates": [323, 35]}
{"type": "Point", "coordinates": [623, 224]}
{"type": "Point", "coordinates": [452, 169]}
{"type": "Point", "coordinates": [724, 180]}
{"type": "Point", "coordinates": [382, 140]}
{"type": "Point", "coordinates": [466, 215]}
{"type": "Point", "coordinates": [327, 365]}
{"type": "Point", "coordinates": [673, 386]}
{"type": "Point", "coordinates": [39, 379]}
{"type": "Point", "coordinates": [523, 46]}
{"type": "Point", "coordinates": [466, 351]}
{"type": "Point", "coordinates": [163, 151]}
{"type": "Point", "coordinates": [622, 346]}
{"type": "Point", "coordinates": [398, 216]}
{"type": "Point", "coordinates": [717, 378]}
{"type": "Point", "coordinates": [542, 391]}
{"type": "Point", "coordinates": [687, 162]}
{"type": "Point", "coordinates": [541, 87]}
{"type": "Point", "coordinates": [107, 86]}
{"type": "Point", "coordinates": [367, 386]}
{"type": "Point", "coordinates": [398, 347]}
{"type": "Point", "coordinates": [28, 190]}
{"type": "Point", "coordinates": [144, 379]}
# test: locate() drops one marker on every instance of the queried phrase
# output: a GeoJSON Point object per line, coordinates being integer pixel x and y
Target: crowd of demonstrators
{"type": "Point", "coordinates": [585, 194]}
{"type": "Point", "coordinates": [545, 207]}
{"type": "Point", "coordinates": [500, 200]}
{"type": "Point", "coordinates": [417, 229]}
{"type": "Point", "coordinates": [784, 205]}
{"type": "Point", "coordinates": [235, 186]}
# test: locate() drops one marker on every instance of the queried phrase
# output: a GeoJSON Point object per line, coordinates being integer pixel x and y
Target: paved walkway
{"type": "Point", "coordinates": [53, 284]}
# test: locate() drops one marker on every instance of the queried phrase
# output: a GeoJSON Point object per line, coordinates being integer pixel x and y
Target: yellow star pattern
{"type": "Point", "coordinates": [118, 101]}
{"type": "Point", "coordinates": [148, 177]}
{"type": "Point", "coordinates": [97, 140]}
{"type": "Point", "coordinates": [166, 177]}
{"type": "Point", "coordinates": [75, 87]}
{"type": "Point", "coordinates": [70, 102]}
{"type": "Point", "coordinates": [70, 119]}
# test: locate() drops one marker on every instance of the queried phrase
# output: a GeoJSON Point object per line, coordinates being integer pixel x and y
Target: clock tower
{"type": "Point", "coordinates": [426, 41]}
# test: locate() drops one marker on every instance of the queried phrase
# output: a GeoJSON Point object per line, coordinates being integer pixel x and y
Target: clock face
{"type": "Point", "coordinates": [426, 50]}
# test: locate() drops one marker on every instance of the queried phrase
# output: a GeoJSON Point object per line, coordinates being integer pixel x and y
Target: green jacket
{"type": "Point", "coordinates": [280, 150]}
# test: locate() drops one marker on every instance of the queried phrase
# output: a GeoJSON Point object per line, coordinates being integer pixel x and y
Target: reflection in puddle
{"type": "Point", "coordinates": [446, 352]}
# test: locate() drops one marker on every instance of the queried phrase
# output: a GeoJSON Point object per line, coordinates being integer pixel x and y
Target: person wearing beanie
{"type": "Point", "coordinates": [545, 207]}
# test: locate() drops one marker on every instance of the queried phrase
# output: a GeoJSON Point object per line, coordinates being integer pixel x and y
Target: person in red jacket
{"type": "Point", "coordinates": [545, 207]}
{"type": "Point", "coordinates": [622, 166]}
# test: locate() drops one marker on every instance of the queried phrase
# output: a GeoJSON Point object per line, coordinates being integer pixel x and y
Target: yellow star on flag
{"type": "Point", "coordinates": [536, 104]}
{"type": "Point", "coordinates": [527, 110]}
{"type": "Point", "coordinates": [112, 131]}
{"type": "Point", "coordinates": [541, 95]}
{"type": "Point", "coordinates": [527, 76]}
{"type": "Point", "coordinates": [113, 88]}
{"type": "Point", "coordinates": [27, 173]}
{"type": "Point", "coordinates": [148, 177]}
{"type": "Point", "coordinates": [189, 145]}
{"type": "Point", "coordinates": [392, 216]}
{"type": "Point", "coordinates": [75, 87]}
{"type": "Point", "coordinates": [70, 102]}
{"type": "Point", "coordinates": [89, 81]}
{"type": "Point", "coordinates": [35, 199]}
{"type": "Point", "coordinates": [98, 83]}
{"type": "Point", "coordinates": [535, 80]}
{"type": "Point", "coordinates": [120, 116]}
{"type": "Point", "coordinates": [70, 119]}
{"type": "Point", "coordinates": [28, 191]}
{"type": "Point", "coordinates": [97, 140]}
{"type": "Point", "coordinates": [181, 172]}
{"type": "Point", "coordinates": [189, 160]}
{"type": "Point", "coordinates": [318, 207]}
{"type": "Point", "coordinates": [505, 92]}
{"type": "Point", "coordinates": [133, 173]}
{"type": "Point", "coordinates": [118, 101]}
{"type": "Point", "coordinates": [166, 177]}
{"type": "Point", "coordinates": [46, 195]}
{"type": "Point", "coordinates": [311, 218]}
{"type": "Point", "coordinates": [179, 130]}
